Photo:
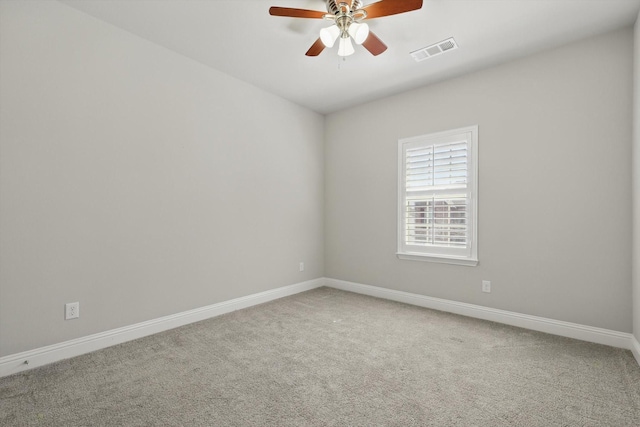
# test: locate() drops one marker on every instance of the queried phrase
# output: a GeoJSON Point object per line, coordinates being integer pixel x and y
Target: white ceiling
{"type": "Point", "coordinates": [240, 38]}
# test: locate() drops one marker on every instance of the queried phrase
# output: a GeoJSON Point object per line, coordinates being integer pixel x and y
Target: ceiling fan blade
{"type": "Point", "coordinates": [316, 48]}
{"type": "Point", "coordinates": [296, 13]}
{"type": "Point", "coordinates": [374, 45]}
{"type": "Point", "coordinates": [391, 7]}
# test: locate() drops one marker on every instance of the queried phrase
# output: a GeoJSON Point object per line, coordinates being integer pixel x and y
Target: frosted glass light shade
{"type": "Point", "coordinates": [345, 48]}
{"type": "Point", "coordinates": [359, 32]}
{"type": "Point", "coordinates": [329, 35]}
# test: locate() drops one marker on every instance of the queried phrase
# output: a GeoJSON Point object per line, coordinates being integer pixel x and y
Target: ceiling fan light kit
{"type": "Point", "coordinates": [346, 47]}
{"type": "Point", "coordinates": [347, 16]}
{"type": "Point", "coordinates": [329, 35]}
{"type": "Point", "coordinates": [359, 32]}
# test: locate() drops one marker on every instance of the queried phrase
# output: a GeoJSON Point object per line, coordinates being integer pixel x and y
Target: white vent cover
{"type": "Point", "coordinates": [434, 49]}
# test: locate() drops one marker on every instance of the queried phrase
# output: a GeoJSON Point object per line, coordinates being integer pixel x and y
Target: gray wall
{"type": "Point", "coordinates": [143, 184]}
{"type": "Point", "coordinates": [636, 185]}
{"type": "Point", "coordinates": [138, 182]}
{"type": "Point", "coordinates": [554, 184]}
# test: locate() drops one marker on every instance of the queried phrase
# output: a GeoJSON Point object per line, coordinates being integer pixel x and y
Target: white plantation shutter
{"type": "Point", "coordinates": [437, 220]}
{"type": "Point", "coordinates": [437, 166]}
{"type": "Point", "coordinates": [437, 195]}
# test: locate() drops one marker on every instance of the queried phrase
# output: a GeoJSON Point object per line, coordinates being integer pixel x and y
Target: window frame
{"type": "Point", "coordinates": [433, 253]}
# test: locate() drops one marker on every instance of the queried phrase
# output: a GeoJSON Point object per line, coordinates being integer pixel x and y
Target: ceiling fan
{"type": "Point", "coordinates": [347, 16]}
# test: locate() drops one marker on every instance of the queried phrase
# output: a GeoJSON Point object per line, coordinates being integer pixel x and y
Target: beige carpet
{"type": "Point", "coordinates": [332, 358]}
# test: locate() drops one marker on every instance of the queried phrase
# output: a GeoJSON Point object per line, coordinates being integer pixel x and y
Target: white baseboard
{"type": "Point", "coordinates": [635, 348]}
{"type": "Point", "coordinates": [542, 324]}
{"type": "Point", "coordinates": [42, 356]}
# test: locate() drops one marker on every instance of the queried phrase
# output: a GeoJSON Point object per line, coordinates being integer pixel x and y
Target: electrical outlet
{"type": "Point", "coordinates": [71, 310]}
{"type": "Point", "coordinates": [486, 286]}
{"type": "Point", "coordinates": [302, 266]}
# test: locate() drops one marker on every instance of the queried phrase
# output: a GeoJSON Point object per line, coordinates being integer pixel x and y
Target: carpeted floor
{"type": "Point", "coordinates": [332, 358]}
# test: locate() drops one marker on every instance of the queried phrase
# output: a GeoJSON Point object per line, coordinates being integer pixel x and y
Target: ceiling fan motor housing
{"type": "Point", "coordinates": [332, 6]}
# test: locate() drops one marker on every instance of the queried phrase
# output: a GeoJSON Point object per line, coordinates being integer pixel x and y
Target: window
{"type": "Point", "coordinates": [438, 197]}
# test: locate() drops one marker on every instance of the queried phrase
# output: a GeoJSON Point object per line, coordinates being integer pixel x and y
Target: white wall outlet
{"type": "Point", "coordinates": [486, 286]}
{"type": "Point", "coordinates": [302, 266]}
{"type": "Point", "coordinates": [71, 310]}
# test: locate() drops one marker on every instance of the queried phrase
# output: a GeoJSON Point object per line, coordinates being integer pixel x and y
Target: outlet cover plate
{"type": "Point", "coordinates": [486, 286]}
{"type": "Point", "coordinates": [71, 310]}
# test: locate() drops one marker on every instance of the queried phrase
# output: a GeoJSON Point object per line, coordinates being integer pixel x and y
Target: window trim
{"type": "Point", "coordinates": [472, 188]}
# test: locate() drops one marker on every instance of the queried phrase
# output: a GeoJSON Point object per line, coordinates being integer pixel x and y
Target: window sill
{"type": "Point", "coordinates": [441, 259]}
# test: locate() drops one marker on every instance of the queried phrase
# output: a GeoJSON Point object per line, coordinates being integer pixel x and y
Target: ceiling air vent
{"type": "Point", "coordinates": [434, 49]}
